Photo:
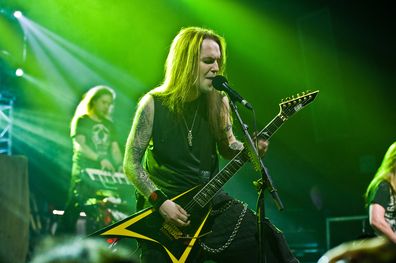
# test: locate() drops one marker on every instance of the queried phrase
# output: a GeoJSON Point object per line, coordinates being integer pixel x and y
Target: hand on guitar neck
{"type": "Point", "coordinates": [262, 146]}
{"type": "Point", "coordinates": [174, 214]}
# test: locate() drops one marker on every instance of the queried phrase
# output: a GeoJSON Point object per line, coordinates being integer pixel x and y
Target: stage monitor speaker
{"type": "Point", "coordinates": [347, 228]}
{"type": "Point", "coordinates": [14, 207]}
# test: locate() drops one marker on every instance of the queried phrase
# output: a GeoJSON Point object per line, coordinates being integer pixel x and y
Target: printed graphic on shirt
{"type": "Point", "coordinates": [100, 138]}
{"type": "Point", "coordinates": [390, 212]}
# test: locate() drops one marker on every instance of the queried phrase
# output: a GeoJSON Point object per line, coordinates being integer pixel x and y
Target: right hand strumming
{"type": "Point", "coordinates": [174, 213]}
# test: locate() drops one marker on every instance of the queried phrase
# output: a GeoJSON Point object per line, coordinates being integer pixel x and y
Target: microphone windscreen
{"type": "Point", "coordinates": [218, 82]}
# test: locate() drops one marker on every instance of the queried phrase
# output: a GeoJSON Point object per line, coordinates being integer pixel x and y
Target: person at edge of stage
{"type": "Point", "coordinates": [381, 197]}
{"type": "Point", "coordinates": [95, 146]}
{"type": "Point", "coordinates": [176, 134]}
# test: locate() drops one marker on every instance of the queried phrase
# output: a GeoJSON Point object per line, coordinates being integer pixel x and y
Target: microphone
{"type": "Point", "coordinates": [220, 83]}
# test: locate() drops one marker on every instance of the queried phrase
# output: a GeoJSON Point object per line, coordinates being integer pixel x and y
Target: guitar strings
{"type": "Point", "coordinates": [242, 156]}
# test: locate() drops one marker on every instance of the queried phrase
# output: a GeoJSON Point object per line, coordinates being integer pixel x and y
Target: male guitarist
{"type": "Point", "coordinates": [178, 129]}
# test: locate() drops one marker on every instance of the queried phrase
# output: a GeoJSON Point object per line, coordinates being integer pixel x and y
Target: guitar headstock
{"type": "Point", "coordinates": [289, 106]}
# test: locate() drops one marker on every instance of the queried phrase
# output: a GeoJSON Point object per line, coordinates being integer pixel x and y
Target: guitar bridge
{"type": "Point", "coordinates": [188, 237]}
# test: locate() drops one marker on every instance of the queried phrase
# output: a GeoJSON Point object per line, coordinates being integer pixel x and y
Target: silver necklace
{"type": "Point", "coordinates": [189, 130]}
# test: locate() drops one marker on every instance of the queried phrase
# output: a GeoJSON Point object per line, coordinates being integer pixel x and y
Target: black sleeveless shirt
{"type": "Point", "coordinates": [173, 165]}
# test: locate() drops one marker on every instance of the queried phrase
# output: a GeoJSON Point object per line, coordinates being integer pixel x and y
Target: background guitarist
{"type": "Point", "coordinates": [177, 132]}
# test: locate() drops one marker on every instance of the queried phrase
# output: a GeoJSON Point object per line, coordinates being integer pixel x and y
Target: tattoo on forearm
{"type": "Point", "coordinates": [228, 127]}
{"type": "Point", "coordinates": [137, 143]}
{"type": "Point", "coordinates": [236, 146]}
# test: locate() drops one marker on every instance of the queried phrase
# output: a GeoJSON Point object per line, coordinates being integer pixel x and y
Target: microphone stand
{"type": "Point", "coordinates": [261, 184]}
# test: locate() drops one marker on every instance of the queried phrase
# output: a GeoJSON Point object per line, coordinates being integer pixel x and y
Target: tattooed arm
{"type": "Point", "coordinates": [138, 140]}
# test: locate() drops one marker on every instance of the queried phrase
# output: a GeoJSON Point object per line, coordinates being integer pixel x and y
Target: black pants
{"type": "Point", "coordinates": [76, 203]}
{"type": "Point", "coordinates": [216, 246]}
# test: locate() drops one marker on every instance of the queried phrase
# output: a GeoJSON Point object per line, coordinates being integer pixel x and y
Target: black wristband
{"type": "Point", "coordinates": [157, 198]}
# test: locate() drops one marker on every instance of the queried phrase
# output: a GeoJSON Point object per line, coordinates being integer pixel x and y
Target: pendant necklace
{"type": "Point", "coordinates": [189, 130]}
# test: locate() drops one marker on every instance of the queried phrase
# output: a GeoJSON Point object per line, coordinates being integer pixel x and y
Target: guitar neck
{"type": "Point", "coordinates": [213, 186]}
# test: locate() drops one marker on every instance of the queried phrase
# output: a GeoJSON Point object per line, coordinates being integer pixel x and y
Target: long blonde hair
{"type": "Point", "coordinates": [386, 172]}
{"type": "Point", "coordinates": [181, 75]}
{"type": "Point", "coordinates": [86, 104]}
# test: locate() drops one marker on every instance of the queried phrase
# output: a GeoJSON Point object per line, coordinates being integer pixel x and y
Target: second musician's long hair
{"type": "Point", "coordinates": [85, 106]}
{"type": "Point", "coordinates": [386, 172]}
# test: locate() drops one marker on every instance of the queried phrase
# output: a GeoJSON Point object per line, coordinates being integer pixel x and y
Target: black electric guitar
{"type": "Point", "coordinates": [149, 225]}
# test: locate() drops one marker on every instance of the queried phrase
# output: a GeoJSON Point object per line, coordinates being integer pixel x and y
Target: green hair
{"type": "Point", "coordinates": [386, 172]}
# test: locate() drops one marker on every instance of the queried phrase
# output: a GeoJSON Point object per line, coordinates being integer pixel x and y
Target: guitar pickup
{"type": "Point", "coordinates": [171, 231]}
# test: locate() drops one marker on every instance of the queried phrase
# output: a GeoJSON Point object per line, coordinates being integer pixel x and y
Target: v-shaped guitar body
{"type": "Point", "coordinates": [149, 225]}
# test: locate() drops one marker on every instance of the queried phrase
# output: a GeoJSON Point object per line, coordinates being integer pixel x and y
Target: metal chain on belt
{"type": "Point", "coordinates": [234, 232]}
{"type": "Point", "coordinates": [222, 209]}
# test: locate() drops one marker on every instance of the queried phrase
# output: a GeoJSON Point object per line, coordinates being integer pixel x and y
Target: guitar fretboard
{"type": "Point", "coordinates": [213, 186]}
